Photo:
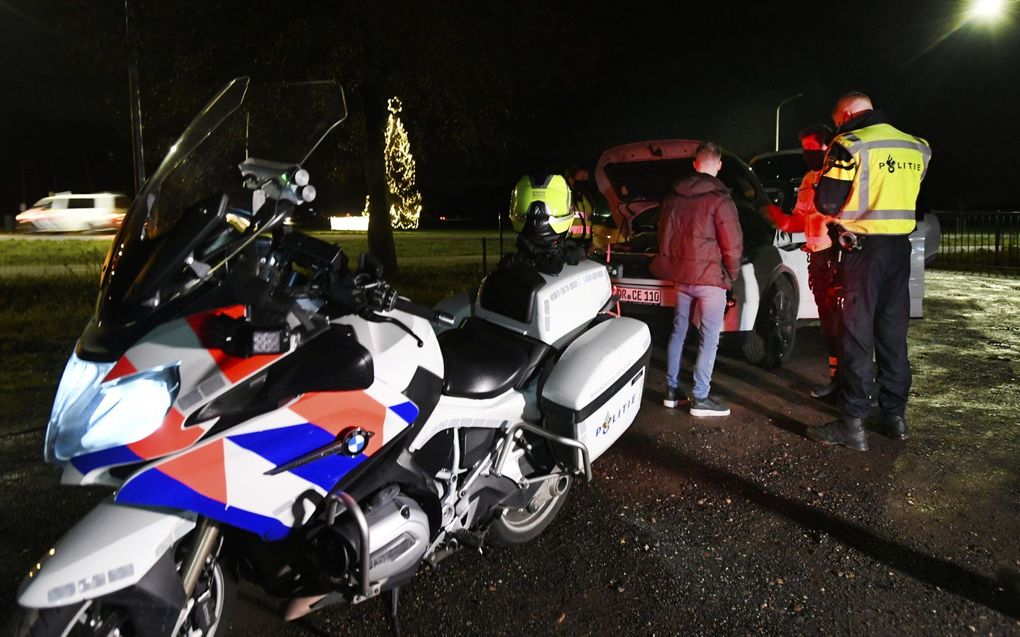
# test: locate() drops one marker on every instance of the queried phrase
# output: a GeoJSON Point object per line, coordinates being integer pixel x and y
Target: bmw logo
{"type": "Point", "coordinates": [355, 441]}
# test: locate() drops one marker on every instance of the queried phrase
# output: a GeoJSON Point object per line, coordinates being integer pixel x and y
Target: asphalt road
{"type": "Point", "coordinates": [726, 526]}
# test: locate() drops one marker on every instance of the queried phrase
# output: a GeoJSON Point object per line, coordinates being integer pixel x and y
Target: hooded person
{"type": "Point", "coordinates": [822, 256]}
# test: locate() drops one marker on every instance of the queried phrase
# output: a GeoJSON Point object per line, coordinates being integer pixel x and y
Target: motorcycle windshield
{"type": "Point", "coordinates": [276, 122]}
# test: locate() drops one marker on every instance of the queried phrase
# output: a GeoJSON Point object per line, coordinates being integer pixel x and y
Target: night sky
{"type": "Point", "coordinates": [496, 89]}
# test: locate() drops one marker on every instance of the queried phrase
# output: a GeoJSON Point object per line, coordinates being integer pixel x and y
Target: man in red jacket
{"type": "Point", "coordinates": [700, 245]}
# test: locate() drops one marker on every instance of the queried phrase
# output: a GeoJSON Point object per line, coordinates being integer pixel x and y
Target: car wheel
{"type": "Point", "coordinates": [771, 341]}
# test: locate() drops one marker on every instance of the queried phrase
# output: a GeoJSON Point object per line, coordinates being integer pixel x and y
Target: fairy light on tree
{"type": "Point", "coordinates": [405, 207]}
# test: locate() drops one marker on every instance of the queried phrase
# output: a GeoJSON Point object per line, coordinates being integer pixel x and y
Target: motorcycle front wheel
{"type": "Point", "coordinates": [518, 526]}
{"type": "Point", "coordinates": [209, 611]}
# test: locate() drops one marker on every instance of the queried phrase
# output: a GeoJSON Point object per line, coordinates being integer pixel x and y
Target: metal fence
{"type": "Point", "coordinates": [979, 241]}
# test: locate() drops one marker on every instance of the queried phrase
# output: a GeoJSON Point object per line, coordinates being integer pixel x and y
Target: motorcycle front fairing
{"type": "Point", "coordinates": [223, 468]}
{"type": "Point", "coordinates": [218, 465]}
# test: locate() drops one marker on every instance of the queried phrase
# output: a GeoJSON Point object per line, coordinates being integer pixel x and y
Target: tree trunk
{"type": "Point", "coordinates": [380, 232]}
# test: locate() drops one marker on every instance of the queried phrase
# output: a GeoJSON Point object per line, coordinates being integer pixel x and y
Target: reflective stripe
{"type": "Point", "coordinates": [926, 154]}
{"type": "Point", "coordinates": [864, 190]}
{"type": "Point", "coordinates": [842, 170]}
{"type": "Point", "coordinates": [896, 143]}
{"type": "Point", "coordinates": [891, 214]}
{"type": "Point", "coordinates": [880, 226]}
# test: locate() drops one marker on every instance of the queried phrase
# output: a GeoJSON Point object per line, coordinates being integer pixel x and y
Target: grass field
{"type": "Point", "coordinates": [456, 255]}
{"type": "Point", "coordinates": [410, 245]}
{"type": "Point", "coordinates": [25, 252]}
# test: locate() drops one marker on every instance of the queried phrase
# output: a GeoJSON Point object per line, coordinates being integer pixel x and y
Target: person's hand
{"type": "Point", "coordinates": [774, 213]}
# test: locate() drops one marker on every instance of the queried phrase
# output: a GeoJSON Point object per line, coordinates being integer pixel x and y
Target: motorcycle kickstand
{"type": "Point", "coordinates": [390, 600]}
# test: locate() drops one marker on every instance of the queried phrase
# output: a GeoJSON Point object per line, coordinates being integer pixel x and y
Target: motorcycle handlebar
{"type": "Point", "coordinates": [380, 295]}
{"type": "Point", "coordinates": [425, 312]}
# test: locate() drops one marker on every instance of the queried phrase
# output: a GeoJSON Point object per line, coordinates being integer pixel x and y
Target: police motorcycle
{"type": "Point", "coordinates": [261, 409]}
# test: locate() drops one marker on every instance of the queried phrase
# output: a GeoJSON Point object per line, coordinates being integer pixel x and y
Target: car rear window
{"type": "Point", "coordinates": [81, 203]}
{"type": "Point", "coordinates": [121, 203]}
{"type": "Point", "coordinates": [653, 180]}
{"type": "Point", "coordinates": [647, 179]}
{"type": "Point", "coordinates": [780, 167]}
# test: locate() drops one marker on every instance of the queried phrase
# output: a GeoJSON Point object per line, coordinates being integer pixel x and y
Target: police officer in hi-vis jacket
{"type": "Point", "coordinates": [870, 181]}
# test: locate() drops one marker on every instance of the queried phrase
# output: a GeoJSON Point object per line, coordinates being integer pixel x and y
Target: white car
{"type": "Point", "coordinates": [68, 212]}
{"type": "Point", "coordinates": [771, 294]}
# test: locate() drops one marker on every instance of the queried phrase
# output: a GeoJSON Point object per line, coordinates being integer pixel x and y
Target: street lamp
{"type": "Point", "coordinates": [789, 99]}
{"type": "Point", "coordinates": [986, 10]}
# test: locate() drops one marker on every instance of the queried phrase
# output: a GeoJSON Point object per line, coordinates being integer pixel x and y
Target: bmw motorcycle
{"type": "Point", "coordinates": [264, 409]}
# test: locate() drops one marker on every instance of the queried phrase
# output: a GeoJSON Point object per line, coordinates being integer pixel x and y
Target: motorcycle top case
{"type": "Point", "coordinates": [546, 307]}
{"type": "Point", "coordinates": [594, 392]}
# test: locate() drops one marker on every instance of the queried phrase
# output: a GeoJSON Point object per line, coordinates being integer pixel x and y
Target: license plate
{"type": "Point", "coordinates": [647, 296]}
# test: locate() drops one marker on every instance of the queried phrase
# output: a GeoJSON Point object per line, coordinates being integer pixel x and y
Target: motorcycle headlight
{"type": "Point", "coordinates": [90, 415]}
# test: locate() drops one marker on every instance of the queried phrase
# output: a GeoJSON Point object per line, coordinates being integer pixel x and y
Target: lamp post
{"type": "Point", "coordinates": [135, 107]}
{"type": "Point", "coordinates": [789, 99]}
{"type": "Point", "coordinates": [986, 10]}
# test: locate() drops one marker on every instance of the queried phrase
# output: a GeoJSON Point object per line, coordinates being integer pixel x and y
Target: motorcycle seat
{"type": "Point", "coordinates": [483, 360]}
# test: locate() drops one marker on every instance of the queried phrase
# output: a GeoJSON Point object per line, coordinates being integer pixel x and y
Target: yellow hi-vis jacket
{"type": "Point", "coordinates": [884, 167]}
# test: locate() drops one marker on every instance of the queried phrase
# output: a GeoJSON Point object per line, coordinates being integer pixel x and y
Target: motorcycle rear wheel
{"type": "Point", "coordinates": [94, 618]}
{"type": "Point", "coordinates": [518, 526]}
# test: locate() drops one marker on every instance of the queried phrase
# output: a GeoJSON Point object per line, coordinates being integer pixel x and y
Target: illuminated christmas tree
{"type": "Point", "coordinates": [405, 208]}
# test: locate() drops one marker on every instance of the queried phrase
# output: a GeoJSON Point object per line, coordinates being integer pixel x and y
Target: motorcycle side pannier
{"type": "Point", "coordinates": [594, 391]}
{"type": "Point", "coordinates": [547, 307]}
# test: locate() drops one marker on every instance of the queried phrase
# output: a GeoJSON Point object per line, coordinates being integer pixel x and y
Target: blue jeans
{"type": "Point", "coordinates": [712, 301]}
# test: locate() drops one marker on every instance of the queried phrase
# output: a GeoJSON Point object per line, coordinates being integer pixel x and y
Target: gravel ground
{"type": "Point", "coordinates": [730, 526]}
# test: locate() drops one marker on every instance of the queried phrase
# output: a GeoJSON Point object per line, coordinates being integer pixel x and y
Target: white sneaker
{"type": "Point", "coordinates": [708, 406]}
{"type": "Point", "coordinates": [672, 397]}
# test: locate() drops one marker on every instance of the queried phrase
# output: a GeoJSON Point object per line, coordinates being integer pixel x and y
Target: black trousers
{"type": "Point", "coordinates": [876, 313]}
{"type": "Point", "coordinates": [822, 281]}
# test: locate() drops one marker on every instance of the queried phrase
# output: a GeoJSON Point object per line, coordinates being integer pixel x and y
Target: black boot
{"type": "Point", "coordinates": [846, 431]}
{"type": "Point", "coordinates": [894, 427]}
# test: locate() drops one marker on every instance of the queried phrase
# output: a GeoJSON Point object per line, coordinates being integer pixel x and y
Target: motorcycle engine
{"type": "Point", "coordinates": [398, 531]}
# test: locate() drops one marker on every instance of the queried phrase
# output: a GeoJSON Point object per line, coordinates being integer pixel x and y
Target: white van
{"type": "Point", "coordinates": [67, 212]}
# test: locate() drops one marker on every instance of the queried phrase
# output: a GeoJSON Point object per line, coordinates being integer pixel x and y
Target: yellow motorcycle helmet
{"type": "Point", "coordinates": [541, 209]}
